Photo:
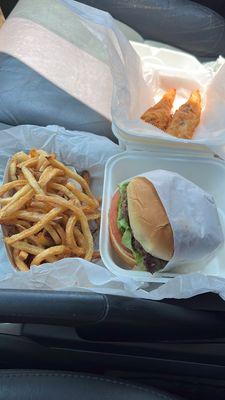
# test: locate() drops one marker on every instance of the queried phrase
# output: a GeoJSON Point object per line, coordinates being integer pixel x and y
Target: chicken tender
{"type": "Point", "coordinates": [159, 115]}
{"type": "Point", "coordinates": [186, 118]}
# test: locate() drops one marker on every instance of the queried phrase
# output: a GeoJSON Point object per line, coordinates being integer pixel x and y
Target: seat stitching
{"type": "Point", "coordinates": [160, 396]}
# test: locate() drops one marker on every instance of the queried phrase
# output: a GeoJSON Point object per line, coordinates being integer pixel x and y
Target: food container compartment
{"type": "Point", "coordinates": [201, 168]}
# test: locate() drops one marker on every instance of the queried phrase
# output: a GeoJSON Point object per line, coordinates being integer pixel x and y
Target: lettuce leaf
{"type": "Point", "coordinates": [123, 188]}
{"type": "Point", "coordinates": [138, 258]}
{"type": "Point", "coordinates": [122, 223]}
{"type": "Point", "coordinates": [124, 226]}
{"type": "Point", "coordinates": [127, 239]}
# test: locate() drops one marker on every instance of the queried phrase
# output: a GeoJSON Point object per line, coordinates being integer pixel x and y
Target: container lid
{"type": "Point", "coordinates": [133, 142]}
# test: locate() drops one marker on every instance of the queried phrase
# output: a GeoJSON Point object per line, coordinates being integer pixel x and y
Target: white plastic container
{"type": "Point", "coordinates": [195, 164]}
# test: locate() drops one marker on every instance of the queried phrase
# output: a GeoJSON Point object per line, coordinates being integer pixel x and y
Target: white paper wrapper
{"type": "Point", "coordinates": [193, 216]}
{"type": "Point", "coordinates": [84, 151]}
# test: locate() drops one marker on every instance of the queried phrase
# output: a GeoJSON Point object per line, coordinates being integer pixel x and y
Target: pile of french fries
{"type": "Point", "coordinates": [46, 211]}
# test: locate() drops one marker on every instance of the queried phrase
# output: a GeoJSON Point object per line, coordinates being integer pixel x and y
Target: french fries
{"type": "Point", "coordinates": [73, 175]}
{"type": "Point", "coordinates": [19, 263]}
{"type": "Point", "coordinates": [70, 238]}
{"type": "Point", "coordinates": [52, 251]}
{"type": "Point", "coordinates": [46, 209]}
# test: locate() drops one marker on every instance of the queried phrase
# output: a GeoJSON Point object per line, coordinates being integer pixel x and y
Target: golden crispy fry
{"type": "Point", "coordinates": [52, 251]}
{"type": "Point", "coordinates": [30, 162]}
{"type": "Point", "coordinates": [82, 196]}
{"type": "Point", "coordinates": [24, 190]}
{"type": "Point", "coordinates": [81, 216]}
{"type": "Point", "coordinates": [11, 185]}
{"type": "Point", "coordinates": [40, 162]}
{"type": "Point", "coordinates": [75, 201]}
{"type": "Point", "coordinates": [14, 206]}
{"type": "Point", "coordinates": [70, 240]}
{"type": "Point", "coordinates": [44, 165]}
{"type": "Point", "coordinates": [24, 224]}
{"type": "Point", "coordinates": [23, 255]}
{"type": "Point", "coordinates": [61, 232]}
{"type": "Point", "coordinates": [186, 118]}
{"type": "Point", "coordinates": [19, 263]}
{"type": "Point", "coordinates": [79, 237]}
{"type": "Point", "coordinates": [64, 220]}
{"type": "Point", "coordinates": [43, 152]}
{"type": "Point", "coordinates": [57, 164]}
{"type": "Point", "coordinates": [35, 228]}
{"type": "Point", "coordinates": [28, 248]}
{"type": "Point", "coordinates": [31, 180]}
{"type": "Point", "coordinates": [32, 239]}
{"type": "Point", "coordinates": [48, 174]}
{"type": "Point", "coordinates": [42, 206]}
{"type": "Point", "coordinates": [89, 210]}
{"type": "Point", "coordinates": [29, 215]}
{"type": "Point", "coordinates": [59, 197]}
{"type": "Point", "coordinates": [159, 114]}
{"type": "Point", "coordinates": [63, 189]}
{"type": "Point", "coordinates": [12, 170]}
{"type": "Point", "coordinates": [33, 153]}
{"type": "Point", "coordinates": [91, 217]}
{"type": "Point", "coordinates": [41, 240]}
{"type": "Point", "coordinates": [61, 179]}
{"type": "Point", "coordinates": [5, 200]}
{"type": "Point", "coordinates": [52, 232]}
{"type": "Point", "coordinates": [25, 215]}
{"type": "Point", "coordinates": [33, 209]}
{"type": "Point", "coordinates": [20, 157]}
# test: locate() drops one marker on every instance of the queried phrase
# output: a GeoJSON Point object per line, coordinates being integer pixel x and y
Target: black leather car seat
{"type": "Point", "coordinates": [57, 385]}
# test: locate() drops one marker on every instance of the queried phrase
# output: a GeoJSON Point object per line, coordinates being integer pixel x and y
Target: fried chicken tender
{"type": "Point", "coordinates": [186, 118]}
{"type": "Point", "coordinates": [159, 115]}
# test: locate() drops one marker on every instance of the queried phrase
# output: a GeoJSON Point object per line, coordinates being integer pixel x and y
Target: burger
{"type": "Point", "coordinates": [140, 231]}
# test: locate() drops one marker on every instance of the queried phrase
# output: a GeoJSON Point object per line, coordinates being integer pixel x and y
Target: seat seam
{"type": "Point", "coordinates": [94, 378]}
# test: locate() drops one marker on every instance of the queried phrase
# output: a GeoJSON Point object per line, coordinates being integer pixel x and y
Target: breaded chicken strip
{"type": "Point", "coordinates": [159, 114]}
{"type": "Point", "coordinates": [186, 118]}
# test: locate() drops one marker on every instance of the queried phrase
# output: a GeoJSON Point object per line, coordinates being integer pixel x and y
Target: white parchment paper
{"type": "Point", "coordinates": [85, 151]}
{"type": "Point", "coordinates": [193, 216]}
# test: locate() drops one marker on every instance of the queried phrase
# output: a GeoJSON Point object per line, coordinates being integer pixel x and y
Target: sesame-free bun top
{"type": "Point", "coordinates": [148, 219]}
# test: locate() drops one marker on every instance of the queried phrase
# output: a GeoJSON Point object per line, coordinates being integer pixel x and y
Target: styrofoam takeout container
{"type": "Point", "coordinates": [193, 163]}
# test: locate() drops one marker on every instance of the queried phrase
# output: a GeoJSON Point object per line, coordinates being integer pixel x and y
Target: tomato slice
{"type": "Point", "coordinates": [113, 213]}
